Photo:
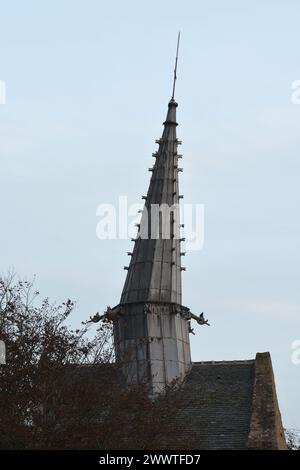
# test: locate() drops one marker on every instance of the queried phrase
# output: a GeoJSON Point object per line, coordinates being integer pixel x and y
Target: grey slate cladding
{"type": "Point", "coordinates": [154, 272]}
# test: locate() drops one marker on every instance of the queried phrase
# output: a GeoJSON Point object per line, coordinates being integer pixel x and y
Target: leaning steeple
{"type": "Point", "coordinates": [151, 326]}
{"type": "Point", "coordinates": [154, 271]}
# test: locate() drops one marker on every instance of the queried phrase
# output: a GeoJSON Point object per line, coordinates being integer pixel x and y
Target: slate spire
{"type": "Point", "coordinates": [151, 326]}
{"type": "Point", "coordinates": [154, 272]}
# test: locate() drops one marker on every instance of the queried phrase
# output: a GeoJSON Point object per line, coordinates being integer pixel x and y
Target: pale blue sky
{"type": "Point", "coordinates": [87, 91]}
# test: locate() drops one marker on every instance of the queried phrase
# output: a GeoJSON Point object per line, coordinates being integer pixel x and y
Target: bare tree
{"type": "Point", "coordinates": [60, 387]}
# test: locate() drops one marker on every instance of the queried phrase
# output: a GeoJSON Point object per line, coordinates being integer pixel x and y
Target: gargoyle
{"type": "Point", "coordinates": [199, 319]}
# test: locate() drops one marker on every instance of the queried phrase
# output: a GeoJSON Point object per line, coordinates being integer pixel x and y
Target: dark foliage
{"type": "Point", "coordinates": [60, 388]}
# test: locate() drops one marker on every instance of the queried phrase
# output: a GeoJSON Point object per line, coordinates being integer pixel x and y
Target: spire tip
{"type": "Point", "coordinates": [175, 68]}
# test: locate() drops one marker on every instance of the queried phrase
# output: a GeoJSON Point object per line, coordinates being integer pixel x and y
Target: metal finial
{"type": "Point", "coordinates": [175, 68]}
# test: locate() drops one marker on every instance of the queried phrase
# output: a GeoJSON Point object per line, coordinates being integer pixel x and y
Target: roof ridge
{"type": "Point", "coordinates": [238, 361]}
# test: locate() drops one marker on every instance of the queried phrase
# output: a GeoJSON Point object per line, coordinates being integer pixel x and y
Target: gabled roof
{"type": "Point", "coordinates": [230, 405]}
